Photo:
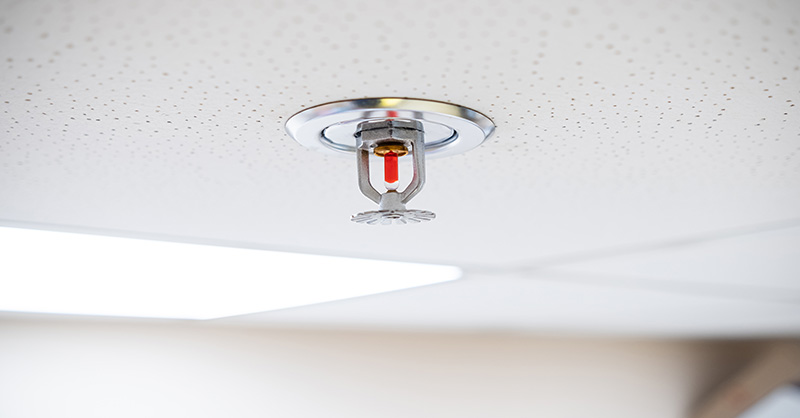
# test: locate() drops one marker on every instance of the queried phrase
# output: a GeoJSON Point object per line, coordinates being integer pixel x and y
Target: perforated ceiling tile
{"type": "Point", "coordinates": [618, 121]}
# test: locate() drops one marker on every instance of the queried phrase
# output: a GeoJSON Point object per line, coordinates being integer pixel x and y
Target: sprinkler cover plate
{"type": "Point", "coordinates": [449, 129]}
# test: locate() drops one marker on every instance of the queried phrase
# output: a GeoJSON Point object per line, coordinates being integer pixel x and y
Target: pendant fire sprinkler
{"type": "Point", "coordinates": [393, 130]}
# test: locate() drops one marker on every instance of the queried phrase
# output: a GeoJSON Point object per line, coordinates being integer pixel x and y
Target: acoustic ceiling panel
{"type": "Point", "coordinates": [619, 123]}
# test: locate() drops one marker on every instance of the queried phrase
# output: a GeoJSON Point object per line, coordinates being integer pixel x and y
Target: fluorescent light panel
{"type": "Point", "coordinates": [66, 273]}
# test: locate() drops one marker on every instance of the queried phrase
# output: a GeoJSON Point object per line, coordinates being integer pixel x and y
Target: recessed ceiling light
{"type": "Point", "coordinates": [67, 273]}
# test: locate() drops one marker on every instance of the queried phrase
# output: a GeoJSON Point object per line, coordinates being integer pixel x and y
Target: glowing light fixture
{"type": "Point", "coordinates": [67, 273]}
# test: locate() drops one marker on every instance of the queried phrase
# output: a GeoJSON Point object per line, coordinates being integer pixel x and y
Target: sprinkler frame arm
{"type": "Point", "coordinates": [390, 131]}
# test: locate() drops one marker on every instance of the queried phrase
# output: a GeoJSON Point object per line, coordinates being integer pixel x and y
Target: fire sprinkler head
{"type": "Point", "coordinates": [390, 128]}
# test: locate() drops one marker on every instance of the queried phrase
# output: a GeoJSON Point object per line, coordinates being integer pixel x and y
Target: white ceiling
{"type": "Point", "coordinates": [644, 176]}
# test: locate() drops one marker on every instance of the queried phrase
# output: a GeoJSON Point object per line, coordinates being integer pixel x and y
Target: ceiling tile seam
{"type": "Point", "coordinates": [528, 267]}
{"type": "Point", "coordinates": [519, 268]}
{"type": "Point", "coordinates": [739, 292]}
{"type": "Point", "coordinates": [340, 302]}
